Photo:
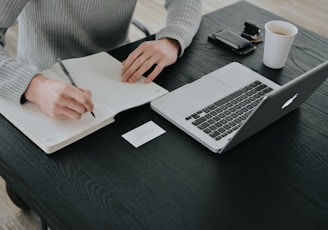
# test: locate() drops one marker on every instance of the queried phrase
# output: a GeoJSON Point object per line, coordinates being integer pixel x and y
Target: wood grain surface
{"type": "Point", "coordinates": [152, 173]}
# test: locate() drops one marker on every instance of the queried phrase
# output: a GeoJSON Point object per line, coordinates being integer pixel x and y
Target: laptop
{"type": "Point", "coordinates": [230, 104]}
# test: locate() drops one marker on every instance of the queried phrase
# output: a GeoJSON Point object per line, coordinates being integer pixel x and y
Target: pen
{"type": "Point", "coordinates": [68, 75]}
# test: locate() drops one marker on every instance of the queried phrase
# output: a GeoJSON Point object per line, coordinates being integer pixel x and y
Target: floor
{"type": "Point", "coordinates": [308, 13]}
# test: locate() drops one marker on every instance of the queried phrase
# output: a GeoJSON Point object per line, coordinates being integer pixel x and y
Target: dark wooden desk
{"type": "Point", "coordinates": [277, 179]}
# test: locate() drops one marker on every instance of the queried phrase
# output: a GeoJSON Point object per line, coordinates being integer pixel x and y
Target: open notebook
{"type": "Point", "coordinates": [99, 73]}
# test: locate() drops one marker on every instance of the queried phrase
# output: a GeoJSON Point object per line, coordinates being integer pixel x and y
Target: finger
{"type": "Point", "coordinates": [131, 58]}
{"type": "Point", "coordinates": [79, 101]}
{"type": "Point", "coordinates": [134, 67]}
{"type": "Point", "coordinates": [72, 104]}
{"type": "Point", "coordinates": [63, 117]}
{"type": "Point", "coordinates": [136, 58]}
{"type": "Point", "coordinates": [68, 113]}
{"type": "Point", "coordinates": [89, 105]}
{"type": "Point", "coordinates": [136, 75]}
{"type": "Point", "coordinates": [157, 70]}
{"type": "Point", "coordinates": [67, 106]}
{"type": "Point", "coordinates": [58, 114]}
{"type": "Point", "coordinates": [145, 62]}
{"type": "Point", "coordinates": [63, 113]}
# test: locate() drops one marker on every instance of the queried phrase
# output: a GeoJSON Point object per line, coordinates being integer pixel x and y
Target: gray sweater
{"type": "Point", "coordinates": [49, 29]}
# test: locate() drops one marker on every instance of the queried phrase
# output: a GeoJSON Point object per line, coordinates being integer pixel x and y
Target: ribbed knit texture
{"type": "Point", "coordinates": [51, 29]}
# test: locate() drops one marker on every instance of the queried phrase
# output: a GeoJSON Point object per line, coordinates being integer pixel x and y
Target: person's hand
{"type": "Point", "coordinates": [158, 53]}
{"type": "Point", "coordinates": [58, 99]}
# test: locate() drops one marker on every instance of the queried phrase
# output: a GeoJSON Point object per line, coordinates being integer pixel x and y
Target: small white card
{"type": "Point", "coordinates": [143, 134]}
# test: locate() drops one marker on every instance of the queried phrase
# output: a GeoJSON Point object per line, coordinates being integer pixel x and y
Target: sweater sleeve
{"type": "Point", "coordinates": [182, 22]}
{"type": "Point", "coordinates": [14, 77]}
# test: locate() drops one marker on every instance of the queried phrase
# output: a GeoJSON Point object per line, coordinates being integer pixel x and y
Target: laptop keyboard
{"type": "Point", "coordinates": [227, 115]}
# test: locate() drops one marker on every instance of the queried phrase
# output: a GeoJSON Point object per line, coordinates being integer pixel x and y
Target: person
{"type": "Point", "coordinates": [71, 28]}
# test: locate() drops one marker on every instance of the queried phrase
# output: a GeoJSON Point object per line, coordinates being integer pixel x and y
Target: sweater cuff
{"type": "Point", "coordinates": [178, 35]}
{"type": "Point", "coordinates": [29, 74]}
{"type": "Point", "coordinates": [14, 88]}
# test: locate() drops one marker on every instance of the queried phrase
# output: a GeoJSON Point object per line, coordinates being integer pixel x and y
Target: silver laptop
{"type": "Point", "coordinates": [225, 107]}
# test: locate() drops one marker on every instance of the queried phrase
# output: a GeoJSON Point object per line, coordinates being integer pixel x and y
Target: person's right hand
{"type": "Point", "coordinates": [58, 99]}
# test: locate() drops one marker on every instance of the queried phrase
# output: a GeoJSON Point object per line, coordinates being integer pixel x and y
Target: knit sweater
{"type": "Point", "coordinates": [51, 29]}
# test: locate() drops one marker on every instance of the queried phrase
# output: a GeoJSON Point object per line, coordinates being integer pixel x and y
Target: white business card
{"type": "Point", "coordinates": [143, 134]}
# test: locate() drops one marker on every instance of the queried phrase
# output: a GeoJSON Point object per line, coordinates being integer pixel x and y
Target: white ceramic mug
{"type": "Point", "coordinates": [279, 37]}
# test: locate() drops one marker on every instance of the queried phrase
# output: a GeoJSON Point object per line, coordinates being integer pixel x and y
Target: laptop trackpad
{"type": "Point", "coordinates": [207, 89]}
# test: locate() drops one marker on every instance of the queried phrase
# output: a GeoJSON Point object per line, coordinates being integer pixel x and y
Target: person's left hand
{"type": "Point", "coordinates": [160, 53]}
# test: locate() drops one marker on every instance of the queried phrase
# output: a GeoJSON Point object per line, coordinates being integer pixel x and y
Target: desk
{"type": "Point", "coordinates": [277, 179]}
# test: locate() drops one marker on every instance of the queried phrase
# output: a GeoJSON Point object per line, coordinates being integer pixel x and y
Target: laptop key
{"type": "Point", "coordinates": [228, 98]}
{"type": "Point", "coordinates": [203, 125]}
{"type": "Point", "coordinates": [199, 121]}
{"type": "Point", "coordinates": [227, 115]}
{"type": "Point", "coordinates": [267, 89]}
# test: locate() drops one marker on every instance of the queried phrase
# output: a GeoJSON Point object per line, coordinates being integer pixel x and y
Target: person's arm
{"type": "Point", "coordinates": [20, 84]}
{"type": "Point", "coordinates": [58, 99]}
{"type": "Point", "coordinates": [182, 23]}
{"type": "Point", "coordinates": [159, 53]}
{"type": "Point", "coordinates": [14, 78]}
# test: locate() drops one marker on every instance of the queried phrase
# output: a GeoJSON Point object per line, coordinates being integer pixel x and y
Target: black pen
{"type": "Point", "coordinates": [68, 75]}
